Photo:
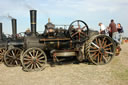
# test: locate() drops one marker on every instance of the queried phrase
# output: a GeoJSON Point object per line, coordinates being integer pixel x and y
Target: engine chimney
{"type": "Point", "coordinates": [14, 28]}
{"type": "Point", "coordinates": [33, 21]}
{"type": "Point", "coordinates": [1, 37]}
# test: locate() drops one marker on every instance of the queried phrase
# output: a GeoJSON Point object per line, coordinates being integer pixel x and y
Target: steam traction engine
{"type": "Point", "coordinates": [3, 44]}
{"type": "Point", "coordinates": [13, 47]}
{"type": "Point", "coordinates": [77, 41]}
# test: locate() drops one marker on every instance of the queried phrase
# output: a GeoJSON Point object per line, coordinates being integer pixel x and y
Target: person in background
{"type": "Point", "coordinates": [120, 31]}
{"type": "Point", "coordinates": [107, 31]}
{"type": "Point", "coordinates": [102, 28]}
{"type": "Point", "coordinates": [114, 31]}
{"type": "Point", "coordinates": [28, 32]}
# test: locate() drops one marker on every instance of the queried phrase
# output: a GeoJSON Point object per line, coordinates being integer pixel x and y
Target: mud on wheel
{"type": "Point", "coordinates": [33, 59]}
{"type": "Point", "coordinates": [100, 49]}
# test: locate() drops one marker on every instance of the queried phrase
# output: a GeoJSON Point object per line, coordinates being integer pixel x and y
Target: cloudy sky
{"type": "Point", "coordinates": [64, 12]}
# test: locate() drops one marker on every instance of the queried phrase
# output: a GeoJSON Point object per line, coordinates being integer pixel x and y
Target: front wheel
{"type": "Point", "coordinates": [33, 59]}
{"type": "Point", "coordinates": [12, 57]}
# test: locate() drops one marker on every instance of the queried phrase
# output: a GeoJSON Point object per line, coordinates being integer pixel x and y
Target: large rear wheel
{"type": "Point", "coordinates": [100, 49]}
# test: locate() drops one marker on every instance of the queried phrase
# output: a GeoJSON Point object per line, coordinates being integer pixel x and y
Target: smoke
{"type": "Point", "coordinates": [2, 17]}
{"type": "Point", "coordinates": [10, 17]}
{"type": "Point", "coordinates": [29, 7]}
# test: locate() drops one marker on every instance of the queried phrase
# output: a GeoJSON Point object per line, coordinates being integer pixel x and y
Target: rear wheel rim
{"type": "Point", "coordinates": [101, 50]}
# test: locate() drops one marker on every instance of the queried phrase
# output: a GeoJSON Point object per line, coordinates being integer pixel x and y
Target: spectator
{"type": "Point", "coordinates": [114, 31]}
{"type": "Point", "coordinates": [120, 31]}
{"type": "Point", "coordinates": [102, 28]}
{"type": "Point", "coordinates": [28, 32]}
{"type": "Point", "coordinates": [107, 31]}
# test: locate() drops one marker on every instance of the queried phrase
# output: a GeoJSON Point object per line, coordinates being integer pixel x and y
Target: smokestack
{"type": "Point", "coordinates": [1, 31]}
{"type": "Point", "coordinates": [33, 21]}
{"type": "Point", "coordinates": [14, 28]}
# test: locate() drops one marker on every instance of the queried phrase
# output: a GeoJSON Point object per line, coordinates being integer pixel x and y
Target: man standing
{"type": "Point", "coordinates": [114, 31]}
{"type": "Point", "coordinates": [102, 28]}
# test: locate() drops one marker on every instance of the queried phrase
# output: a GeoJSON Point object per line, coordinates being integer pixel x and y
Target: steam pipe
{"type": "Point", "coordinates": [14, 28]}
{"type": "Point", "coordinates": [1, 37]}
{"type": "Point", "coordinates": [33, 21]}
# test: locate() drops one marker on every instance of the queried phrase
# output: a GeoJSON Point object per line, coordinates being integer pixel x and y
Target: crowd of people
{"type": "Point", "coordinates": [115, 31]}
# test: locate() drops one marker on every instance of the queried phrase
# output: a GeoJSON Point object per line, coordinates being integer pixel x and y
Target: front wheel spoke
{"type": "Point", "coordinates": [30, 54]}
{"type": "Point", "coordinates": [105, 59]}
{"type": "Point", "coordinates": [27, 56]}
{"type": "Point", "coordinates": [34, 65]}
{"type": "Point", "coordinates": [42, 57]}
{"type": "Point", "coordinates": [41, 61]}
{"type": "Point", "coordinates": [9, 56]}
{"type": "Point", "coordinates": [39, 55]}
{"type": "Point", "coordinates": [18, 54]}
{"type": "Point", "coordinates": [27, 59]}
{"type": "Point", "coordinates": [37, 65]}
{"type": "Point", "coordinates": [11, 62]}
{"type": "Point", "coordinates": [16, 62]}
{"type": "Point", "coordinates": [29, 64]}
{"type": "Point", "coordinates": [34, 52]}
{"type": "Point", "coordinates": [13, 53]}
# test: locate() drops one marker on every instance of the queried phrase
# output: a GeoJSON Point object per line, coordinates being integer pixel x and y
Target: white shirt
{"type": "Point", "coordinates": [102, 27]}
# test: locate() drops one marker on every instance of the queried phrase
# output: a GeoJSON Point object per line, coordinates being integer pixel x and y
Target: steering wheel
{"type": "Point", "coordinates": [78, 30]}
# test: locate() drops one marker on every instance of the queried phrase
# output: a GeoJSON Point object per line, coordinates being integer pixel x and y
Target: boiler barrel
{"type": "Point", "coordinates": [56, 44]}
